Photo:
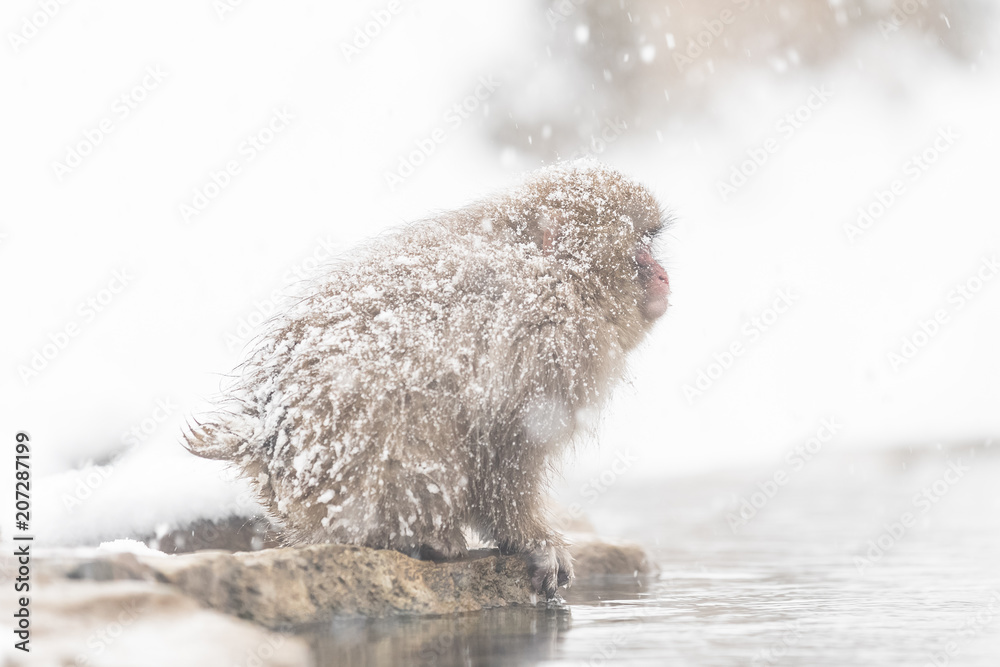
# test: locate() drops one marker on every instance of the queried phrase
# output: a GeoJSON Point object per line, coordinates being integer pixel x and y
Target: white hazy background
{"type": "Point", "coordinates": [166, 338]}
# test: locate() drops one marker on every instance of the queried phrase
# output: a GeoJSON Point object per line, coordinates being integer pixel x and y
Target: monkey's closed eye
{"type": "Point", "coordinates": [652, 233]}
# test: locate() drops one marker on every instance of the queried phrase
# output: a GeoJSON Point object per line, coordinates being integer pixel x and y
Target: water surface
{"type": "Point", "coordinates": [871, 559]}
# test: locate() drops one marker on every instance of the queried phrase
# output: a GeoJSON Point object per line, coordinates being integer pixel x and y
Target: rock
{"type": "Point", "coordinates": [234, 533]}
{"type": "Point", "coordinates": [132, 622]}
{"type": "Point", "coordinates": [310, 584]}
{"type": "Point", "coordinates": [315, 583]}
{"type": "Point", "coordinates": [593, 557]}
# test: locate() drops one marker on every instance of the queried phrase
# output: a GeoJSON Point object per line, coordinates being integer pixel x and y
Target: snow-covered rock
{"type": "Point", "coordinates": [125, 623]}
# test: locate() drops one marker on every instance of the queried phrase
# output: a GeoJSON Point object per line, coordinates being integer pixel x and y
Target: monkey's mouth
{"type": "Point", "coordinates": [655, 284]}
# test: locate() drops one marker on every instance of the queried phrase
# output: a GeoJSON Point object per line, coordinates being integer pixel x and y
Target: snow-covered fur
{"type": "Point", "coordinates": [427, 382]}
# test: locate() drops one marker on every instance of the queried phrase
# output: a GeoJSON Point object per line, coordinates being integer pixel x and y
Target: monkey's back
{"type": "Point", "coordinates": [372, 410]}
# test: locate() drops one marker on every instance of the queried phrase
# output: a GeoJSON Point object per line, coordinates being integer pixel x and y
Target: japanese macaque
{"type": "Point", "coordinates": [428, 382]}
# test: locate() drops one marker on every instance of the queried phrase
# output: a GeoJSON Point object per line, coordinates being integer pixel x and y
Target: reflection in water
{"type": "Point", "coordinates": [496, 636]}
{"type": "Point", "coordinates": [883, 559]}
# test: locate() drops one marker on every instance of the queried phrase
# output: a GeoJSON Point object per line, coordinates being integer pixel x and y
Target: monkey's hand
{"type": "Point", "coordinates": [550, 567]}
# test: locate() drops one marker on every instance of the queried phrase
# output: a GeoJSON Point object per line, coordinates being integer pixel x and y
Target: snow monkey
{"type": "Point", "coordinates": [428, 381]}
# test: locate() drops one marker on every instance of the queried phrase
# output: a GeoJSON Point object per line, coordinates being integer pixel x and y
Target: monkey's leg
{"type": "Point", "coordinates": [511, 514]}
{"type": "Point", "coordinates": [419, 515]}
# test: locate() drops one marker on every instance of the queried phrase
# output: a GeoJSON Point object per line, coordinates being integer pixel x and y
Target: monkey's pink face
{"type": "Point", "coordinates": [654, 282]}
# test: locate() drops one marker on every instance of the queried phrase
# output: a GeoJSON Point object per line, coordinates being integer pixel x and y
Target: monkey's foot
{"type": "Point", "coordinates": [550, 568]}
{"type": "Point", "coordinates": [442, 550]}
